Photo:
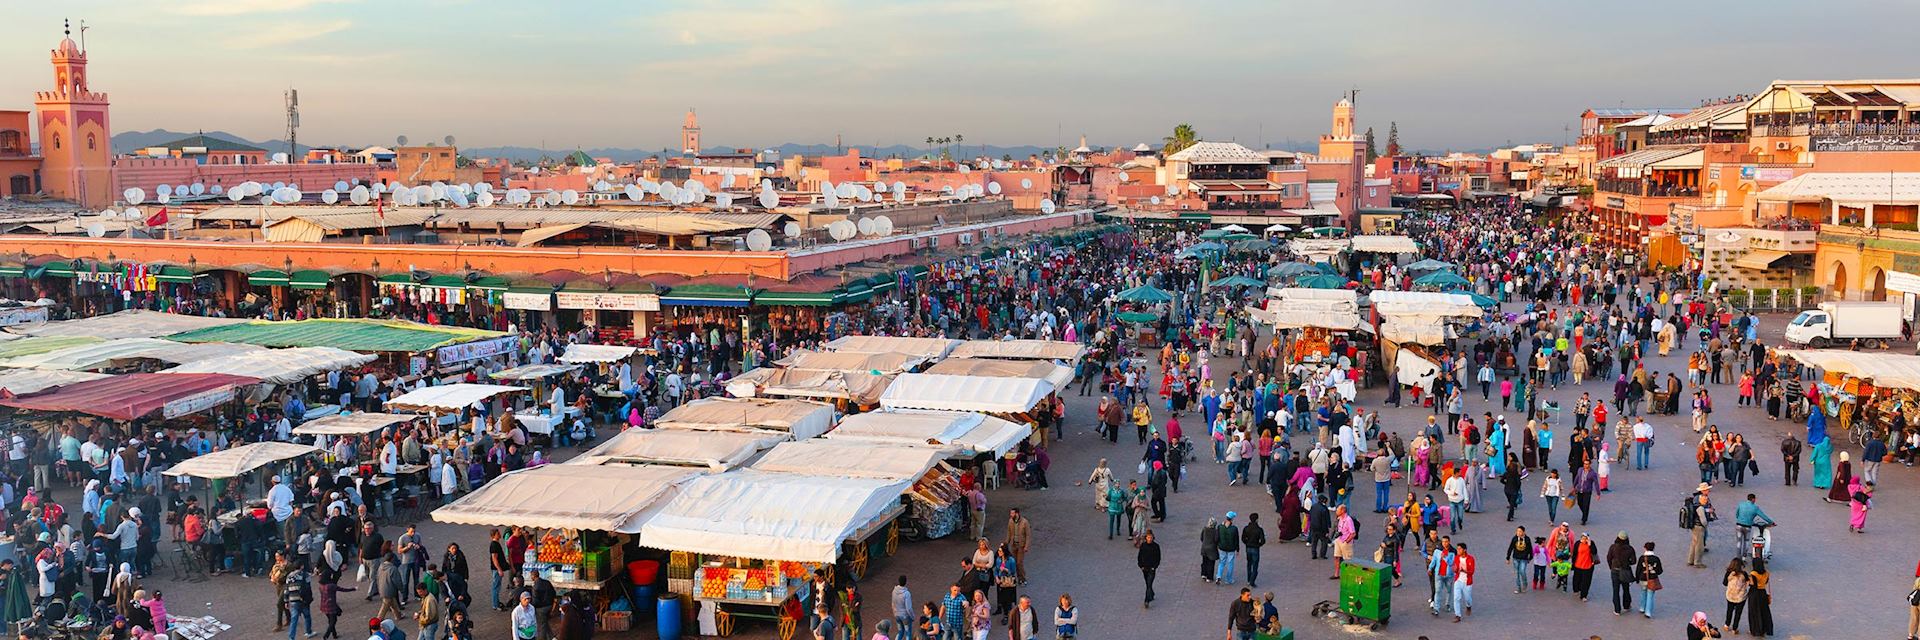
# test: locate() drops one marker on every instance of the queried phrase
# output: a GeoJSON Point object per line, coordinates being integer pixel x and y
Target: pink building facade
{"type": "Point", "coordinates": [147, 173]}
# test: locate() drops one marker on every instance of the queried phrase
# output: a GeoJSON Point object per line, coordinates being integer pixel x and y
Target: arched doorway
{"type": "Point", "coordinates": [1837, 287]}
{"type": "Point", "coordinates": [1877, 291]}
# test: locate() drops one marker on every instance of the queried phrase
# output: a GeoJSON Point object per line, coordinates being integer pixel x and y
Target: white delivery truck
{"type": "Point", "coordinates": [1874, 324]}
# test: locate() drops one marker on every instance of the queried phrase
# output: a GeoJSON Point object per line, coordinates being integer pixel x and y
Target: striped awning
{"type": "Point", "coordinates": [268, 278]}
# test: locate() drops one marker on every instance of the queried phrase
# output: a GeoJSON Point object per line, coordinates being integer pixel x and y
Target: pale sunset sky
{"type": "Point", "coordinates": [1461, 74]}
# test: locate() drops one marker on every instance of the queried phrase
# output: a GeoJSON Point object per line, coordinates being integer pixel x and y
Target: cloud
{"type": "Point", "coordinates": [223, 8]}
{"type": "Point", "coordinates": [283, 34]}
{"type": "Point", "coordinates": [687, 37]}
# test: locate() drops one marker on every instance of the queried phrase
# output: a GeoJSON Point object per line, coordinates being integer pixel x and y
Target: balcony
{"type": "Point", "coordinates": [1243, 205]}
{"type": "Point", "coordinates": [1640, 188]}
{"type": "Point", "coordinates": [1864, 136]}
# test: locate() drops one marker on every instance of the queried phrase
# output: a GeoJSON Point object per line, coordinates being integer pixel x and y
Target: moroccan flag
{"type": "Point", "coordinates": [380, 209]}
{"type": "Point", "coordinates": [158, 218]}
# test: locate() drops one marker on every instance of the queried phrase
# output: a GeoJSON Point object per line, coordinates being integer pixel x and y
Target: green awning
{"type": "Point", "coordinates": [446, 282]}
{"type": "Point", "coordinates": [708, 295]}
{"type": "Point", "coordinates": [59, 269]}
{"type": "Point", "coordinates": [1201, 216]}
{"type": "Point", "coordinates": [489, 283]}
{"type": "Point", "coordinates": [174, 274]}
{"type": "Point", "coordinates": [397, 278]}
{"type": "Point", "coordinates": [797, 299]}
{"type": "Point", "coordinates": [12, 271]}
{"type": "Point", "coordinates": [309, 279]}
{"type": "Point", "coordinates": [267, 278]}
{"type": "Point", "coordinates": [350, 334]}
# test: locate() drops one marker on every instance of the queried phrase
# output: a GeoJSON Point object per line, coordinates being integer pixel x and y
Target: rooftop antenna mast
{"type": "Point", "coordinates": [293, 121]}
{"type": "Point", "coordinates": [83, 36]}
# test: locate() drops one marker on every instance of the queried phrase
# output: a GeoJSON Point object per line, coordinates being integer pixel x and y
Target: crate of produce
{"type": "Point", "coordinates": [680, 565]}
{"type": "Point", "coordinates": [616, 620]}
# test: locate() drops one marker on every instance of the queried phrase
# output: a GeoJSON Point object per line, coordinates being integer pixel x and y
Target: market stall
{"type": "Point", "coordinates": [929, 348]}
{"type": "Point", "coordinates": [1004, 396]}
{"type": "Point", "coordinates": [24, 381]}
{"type": "Point", "coordinates": [712, 450]}
{"type": "Point", "coordinates": [744, 542]}
{"type": "Point", "coordinates": [799, 419]}
{"type": "Point", "coordinates": [596, 353]}
{"type": "Point", "coordinates": [884, 363]}
{"type": "Point", "coordinates": [1863, 392]}
{"type": "Point", "coordinates": [1054, 350]}
{"type": "Point", "coordinates": [223, 466]}
{"type": "Point", "coordinates": [962, 434]}
{"type": "Point", "coordinates": [1060, 376]}
{"type": "Point", "coordinates": [854, 388]}
{"type": "Point", "coordinates": [938, 507]}
{"type": "Point", "coordinates": [278, 366]}
{"type": "Point", "coordinates": [351, 424]}
{"type": "Point", "coordinates": [125, 352]}
{"type": "Point", "coordinates": [137, 395]}
{"type": "Point", "coordinates": [132, 323]}
{"type": "Point", "coordinates": [540, 417]}
{"type": "Point", "coordinates": [449, 397]}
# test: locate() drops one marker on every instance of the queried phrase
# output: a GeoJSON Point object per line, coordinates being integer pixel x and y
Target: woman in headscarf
{"type": "Point", "coordinates": [1759, 600]}
{"type": "Point", "coordinates": [1699, 629]}
{"type": "Point", "coordinates": [1841, 488]}
{"type": "Point", "coordinates": [122, 589]}
{"type": "Point", "coordinates": [90, 503]}
{"type": "Point", "coordinates": [1288, 529]}
{"type": "Point", "coordinates": [1101, 480]}
{"type": "Point", "coordinates": [1860, 499]}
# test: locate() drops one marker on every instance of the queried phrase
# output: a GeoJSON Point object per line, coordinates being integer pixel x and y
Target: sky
{"type": "Point", "coordinates": [1464, 74]}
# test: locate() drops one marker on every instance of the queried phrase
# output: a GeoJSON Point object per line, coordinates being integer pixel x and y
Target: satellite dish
{"type": "Point", "coordinates": [484, 187]}
{"type": "Point", "coordinates": [766, 184]}
{"type": "Point", "coordinates": [279, 185]}
{"type": "Point", "coordinates": [422, 194]}
{"type": "Point", "coordinates": [758, 240]}
{"type": "Point", "coordinates": [833, 200]}
{"type": "Point", "coordinates": [569, 197]}
{"type": "Point", "coordinates": [330, 196]}
{"type": "Point", "coordinates": [899, 192]}
{"type": "Point", "coordinates": [197, 188]}
{"type": "Point", "coordinates": [400, 140]}
{"type": "Point", "coordinates": [164, 190]}
{"type": "Point", "coordinates": [96, 230]}
{"type": "Point", "coordinates": [552, 199]}
{"type": "Point", "coordinates": [769, 199]}
{"type": "Point", "coordinates": [484, 199]}
{"type": "Point", "coordinates": [463, 188]}
{"type": "Point", "coordinates": [947, 189]}
{"type": "Point", "coordinates": [723, 199]}
{"type": "Point", "coordinates": [459, 198]}
{"type": "Point", "coordinates": [635, 193]}
{"type": "Point", "coordinates": [1123, 176]}
{"type": "Point", "coordinates": [726, 181]}
{"type": "Point", "coordinates": [1154, 200]}
{"type": "Point", "coordinates": [865, 225]}
{"type": "Point", "coordinates": [880, 187]}
{"type": "Point", "coordinates": [1172, 191]}
{"type": "Point", "coordinates": [341, 185]}
{"type": "Point", "coordinates": [280, 157]}
{"type": "Point", "coordinates": [993, 188]}
{"type": "Point", "coordinates": [841, 230]}
{"type": "Point", "coordinates": [883, 225]}
{"type": "Point", "coordinates": [266, 200]}
{"type": "Point", "coordinates": [1026, 183]}
{"type": "Point", "coordinates": [215, 189]}
{"type": "Point", "coordinates": [236, 195]}
{"type": "Point", "coordinates": [964, 169]}
{"type": "Point", "coordinates": [379, 187]}
{"type": "Point", "coordinates": [448, 140]}
{"type": "Point", "coordinates": [439, 190]}
{"type": "Point", "coordinates": [134, 195]}
{"type": "Point", "coordinates": [792, 229]}
{"type": "Point", "coordinates": [358, 195]}
{"type": "Point", "coordinates": [693, 185]}
{"type": "Point", "coordinates": [134, 213]}
{"type": "Point", "coordinates": [1046, 206]}
{"type": "Point", "coordinates": [826, 188]}
{"type": "Point", "coordinates": [163, 199]}
{"type": "Point", "coordinates": [803, 172]}
{"type": "Point", "coordinates": [846, 190]}
{"type": "Point", "coordinates": [288, 195]}
{"type": "Point", "coordinates": [602, 186]}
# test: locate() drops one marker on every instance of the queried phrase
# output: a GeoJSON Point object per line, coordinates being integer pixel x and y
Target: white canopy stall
{"type": "Point", "coordinates": [534, 372]}
{"type": "Point", "coordinates": [773, 516]}
{"type": "Point", "coordinates": [1420, 317]}
{"type": "Point", "coordinates": [1059, 350]}
{"type": "Point", "coordinates": [115, 352]}
{"type": "Point", "coordinates": [851, 361]}
{"type": "Point", "coordinates": [1298, 307]}
{"type": "Point", "coordinates": [596, 353]}
{"type": "Point", "coordinates": [1385, 244]}
{"type": "Point", "coordinates": [1318, 249]}
{"type": "Point", "coordinates": [715, 450]}
{"type": "Point", "coordinates": [1059, 375]}
{"type": "Point", "coordinates": [610, 498]}
{"type": "Point", "coordinates": [227, 463]}
{"type": "Point", "coordinates": [1888, 370]}
{"type": "Point", "coordinates": [959, 432]}
{"type": "Point", "coordinates": [449, 397]}
{"type": "Point", "coordinates": [352, 424]}
{"type": "Point", "coordinates": [132, 323]}
{"type": "Point", "coordinates": [800, 419]}
{"type": "Point", "coordinates": [20, 382]}
{"type": "Point", "coordinates": [858, 387]}
{"type": "Point", "coordinates": [929, 348]}
{"type": "Point", "coordinates": [279, 366]}
{"type": "Point", "coordinates": [850, 458]}
{"type": "Point", "coordinates": [965, 393]}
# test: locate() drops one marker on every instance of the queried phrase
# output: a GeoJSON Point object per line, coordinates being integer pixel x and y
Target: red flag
{"type": "Point", "coordinates": [158, 218]}
{"type": "Point", "coordinates": [379, 209]}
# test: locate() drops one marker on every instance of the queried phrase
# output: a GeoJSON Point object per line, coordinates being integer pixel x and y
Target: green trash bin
{"type": "Point", "coordinates": [1366, 590]}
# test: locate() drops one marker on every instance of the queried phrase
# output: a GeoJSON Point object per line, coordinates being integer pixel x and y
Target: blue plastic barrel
{"type": "Point", "coordinates": [667, 616]}
{"type": "Point", "coordinates": [644, 593]}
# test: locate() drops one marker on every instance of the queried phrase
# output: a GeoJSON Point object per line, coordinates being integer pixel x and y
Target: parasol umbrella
{"type": "Point", "coordinates": [1279, 228]}
{"type": "Point", "coordinates": [1234, 228]}
{"type": "Point", "coordinates": [1145, 294]}
{"type": "Point", "coordinates": [1203, 247]}
{"type": "Point", "coordinates": [1252, 245]}
{"type": "Point", "coordinates": [1240, 236]}
{"type": "Point", "coordinates": [1235, 281]}
{"type": "Point", "coordinates": [1430, 265]}
{"type": "Point", "coordinates": [1291, 270]}
{"type": "Point", "coordinates": [1441, 280]}
{"type": "Point", "coordinates": [1478, 299]}
{"type": "Point", "coordinates": [1321, 281]}
{"type": "Point", "coordinates": [1326, 268]}
{"type": "Point", "coordinates": [1213, 233]}
{"type": "Point", "coordinates": [1136, 317]}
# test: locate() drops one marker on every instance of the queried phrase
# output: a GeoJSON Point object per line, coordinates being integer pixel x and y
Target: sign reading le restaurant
{"type": "Point", "coordinates": [608, 301]}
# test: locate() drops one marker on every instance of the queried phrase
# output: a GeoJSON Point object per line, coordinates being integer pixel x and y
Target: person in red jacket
{"type": "Point", "coordinates": [1464, 566]}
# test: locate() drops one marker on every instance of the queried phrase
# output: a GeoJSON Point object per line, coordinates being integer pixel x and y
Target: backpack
{"type": "Point", "coordinates": [1688, 516]}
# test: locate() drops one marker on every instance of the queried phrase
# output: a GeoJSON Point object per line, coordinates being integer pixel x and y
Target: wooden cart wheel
{"type": "Point", "coordinates": [788, 624]}
{"type": "Point", "coordinates": [722, 622]}
{"type": "Point", "coordinates": [857, 566]}
{"type": "Point", "coordinates": [893, 539]}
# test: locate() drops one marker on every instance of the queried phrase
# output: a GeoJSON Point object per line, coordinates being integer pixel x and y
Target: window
{"type": "Point", "coordinates": [56, 141]}
{"type": "Point", "coordinates": [90, 142]}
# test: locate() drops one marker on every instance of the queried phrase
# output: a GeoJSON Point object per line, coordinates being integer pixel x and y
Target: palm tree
{"type": "Point", "coordinates": [960, 140]}
{"type": "Point", "coordinates": [1183, 137]}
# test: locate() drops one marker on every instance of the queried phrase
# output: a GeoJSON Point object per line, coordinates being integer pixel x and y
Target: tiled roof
{"type": "Point", "coordinates": [1218, 153]}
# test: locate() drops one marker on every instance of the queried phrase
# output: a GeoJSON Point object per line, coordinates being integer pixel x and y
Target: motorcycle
{"type": "Point", "coordinates": [1757, 541]}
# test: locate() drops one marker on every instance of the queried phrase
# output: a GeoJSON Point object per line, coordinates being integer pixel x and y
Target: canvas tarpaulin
{"type": "Point", "coordinates": [850, 459]}
{"type": "Point", "coordinates": [1890, 370]}
{"type": "Point", "coordinates": [595, 353]}
{"type": "Point", "coordinates": [25, 381]}
{"type": "Point", "coordinates": [40, 344]}
{"type": "Point", "coordinates": [132, 323]}
{"type": "Point", "coordinates": [279, 366]}
{"type": "Point", "coordinates": [1385, 244]}
{"type": "Point", "coordinates": [771, 516]}
{"type": "Point", "coordinates": [352, 424]}
{"type": "Point", "coordinates": [851, 361]}
{"type": "Point", "coordinates": [534, 371]}
{"type": "Point", "coordinates": [1036, 369]}
{"type": "Point", "coordinates": [859, 386]}
{"type": "Point", "coordinates": [930, 348]}
{"type": "Point", "coordinates": [1297, 307]}
{"type": "Point", "coordinates": [802, 418]}
{"type": "Point", "coordinates": [1420, 317]}
{"type": "Point", "coordinates": [716, 450]}
{"type": "Point", "coordinates": [350, 334]}
{"type": "Point", "coordinates": [965, 393]}
{"type": "Point", "coordinates": [610, 498]}
{"type": "Point", "coordinates": [228, 463]}
{"type": "Point", "coordinates": [449, 397]}
{"type": "Point", "coordinates": [108, 353]}
{"type": "Point", "coordinates": [963, 433]}
{"type": "Point", "coordinates": [133, 395]}
{"type": "Point", "coordinates": [1069, 352]}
